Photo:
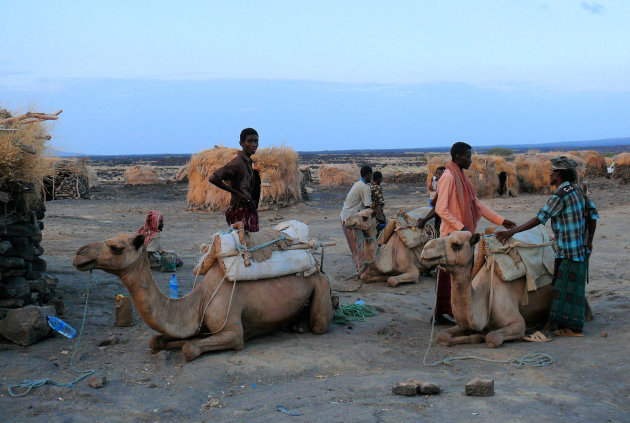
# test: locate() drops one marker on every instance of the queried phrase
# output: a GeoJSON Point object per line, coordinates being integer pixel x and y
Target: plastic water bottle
{"type": "Point", "coordinates": [173, 285]}
{"type": "Point", "coordinates": [61, 327]}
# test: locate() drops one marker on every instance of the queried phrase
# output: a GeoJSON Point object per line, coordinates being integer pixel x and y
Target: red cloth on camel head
{"type": "Point", "coordinates": [150, 228]}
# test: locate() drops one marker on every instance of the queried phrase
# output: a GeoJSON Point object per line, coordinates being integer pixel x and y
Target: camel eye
{"type": "Point", "coordinates": [456, 246]}
{"type": "Point", "coordinates": [116, 250]}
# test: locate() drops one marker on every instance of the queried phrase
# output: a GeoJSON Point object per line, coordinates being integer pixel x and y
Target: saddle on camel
{"type": "Point", "coordinates": [240, 295]}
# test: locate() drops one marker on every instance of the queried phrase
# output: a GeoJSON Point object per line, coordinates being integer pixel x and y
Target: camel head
{"type": "Point", "coordinates": [457, 249]}
{"type": "Point", "coordinates": [114, 255]}
{"type": "Point", "coordinates": [364, 220]}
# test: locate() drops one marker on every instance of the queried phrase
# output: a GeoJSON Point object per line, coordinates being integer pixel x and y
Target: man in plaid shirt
{"type": "Point", "coordinates": [573, 221]}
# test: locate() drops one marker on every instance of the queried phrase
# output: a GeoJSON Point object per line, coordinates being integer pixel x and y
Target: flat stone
{"type": "Point", "coordinates": [12, 262]}
{"type": "Point", "coordinates": [97, 382]}
{"type": "Point", "coordinates": [38, 264]}
{"type": "Point", "coordinates": [38, 285]}
{"type": "Point", "coordinates": [51, 281]}
{"type": "Point", "coordinates": [5, 246]}
{"type": "Point", "coordinates": [407, 389]}
{"type": "Point", "coordinates": [14, 288]}
{"type": "Point", "coordinates": [60, 307]}
{"type": "Point", "coordinates": [479, 387]}
{"type": "Point", "coordinates": [429, 388]}
{"type": "Point", "coordinates": [110, 340]}
{"type": "Point", "coordinates": [27, 325]}
{"type": "Point", "coordinates": [12, 302]}
{"type": "Point", "coordinates": [162, 355]}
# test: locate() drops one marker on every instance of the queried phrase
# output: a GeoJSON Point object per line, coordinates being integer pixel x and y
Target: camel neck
{"type": "Point", "coordinates": [461, 294]}
{"type": "Point", "coordinates": [178, 318]}
{"type": "Point", "coordinates": [371, 246]}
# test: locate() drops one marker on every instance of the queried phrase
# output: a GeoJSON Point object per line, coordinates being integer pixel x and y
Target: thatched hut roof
{"type": "Point", "coordinates": [141, 175]}
{"type": "Point", "coordinates": [339, 174]}
{"type": "Point", "coordinates": [622, 168]}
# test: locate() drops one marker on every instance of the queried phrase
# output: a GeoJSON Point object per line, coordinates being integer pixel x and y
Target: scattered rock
{"type": "Point", "coordinates": [27, 325]}
{"type": "Point", "coordinates": [97, 382]}
{"type": "Point", "coordinates": [163, 355]}
{"type": "Point", "coordinates": [429, 388]}
{"type": "Point", "coordinates": [604, 334]}
{"type": "Point", "coordinates": [480, 387]}
{"type": "Point", "coordinates": [407, 389]}
{"type": "Point", "coordinates": [110, 340]}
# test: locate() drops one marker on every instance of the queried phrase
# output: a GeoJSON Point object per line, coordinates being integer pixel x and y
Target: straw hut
{"type": "Point", "coordinates": [622, 168]}
{"type": "Point", "coordinates": [66, 178]}
{"type": "Point", "coordinates": [595, 163]}
{"type": "Point", "coordinates": [339, 174]}
{"type": "Point", "coordinates": [141, 175]}
{"type": "Point", "coordinates": [182, 174]}
{"type": "Point", "coordinates": [532, 171]}
{"type": "Point", "coordinates": [278, 168]}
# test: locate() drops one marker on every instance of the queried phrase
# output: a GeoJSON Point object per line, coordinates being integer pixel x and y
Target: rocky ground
{"type": "Point", "coordinates": [345, 375]}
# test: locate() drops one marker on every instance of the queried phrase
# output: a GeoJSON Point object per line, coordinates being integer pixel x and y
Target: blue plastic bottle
{"type": "Point", "coordinates": [61, 327]}
{"type": "Point", "coordinates": [173, 285]}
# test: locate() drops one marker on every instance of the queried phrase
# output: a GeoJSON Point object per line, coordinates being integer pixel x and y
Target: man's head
{"type": "Point", "coordinates": [461, 153]}
{"type": "Point", "coordinates": [366, 173]}
{"type": "Point", "coordinates": [438, 172]}
{"type": "Point", "coordinates": [563, 169]}
{"type": "Point", "coordinates": [377, 177]}
{"type": "Point", "coordinates": [249, 141]}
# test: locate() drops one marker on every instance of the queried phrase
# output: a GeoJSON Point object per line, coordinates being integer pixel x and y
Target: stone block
{"type": "Point", "coordinates": [15, 288]}
{"type": "Point", "coordinates": [38, 285]}
{"type": "Point", "coordinates": [38, 250]}
{"type": "Point", "coordinates": [9, 274]}
{"type": "Point", "coordinates": [5, 246]}
{"type": "Point", "coordinates": [38, 264]}
{"type": "Point", "coordinates": [479, 387]}
{"type": "Point", "coordinates": [60, 307]}
{"type": "Point", "coordinates": [27, 325]}
{"type": "Point", "coordinates": [12, 262]}
{"type": "Point", "coordinates": [33, 275]}
{"type": "Point", "coordinates": [51, 281]}
{"type": "Point", "coordinates": [97, 381]}
{"type": "Point", "coordinates": [21, 230]}
{"type": "Point", "coordinates": [429, 388]}
{"type": "Point", "coordinates": [12, 302]}
{"type": "Point", "coordinates": [407, 389]}
{"type": "Point", "coordinates": [40, 225]}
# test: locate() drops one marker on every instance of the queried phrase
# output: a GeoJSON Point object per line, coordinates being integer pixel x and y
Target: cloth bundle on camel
{"type": "Point", "coordinates": [282, 250]}
{"type": "Point", "coordinates": [405, 224]}
{"type": "Point", "coordinates": [529, 253]}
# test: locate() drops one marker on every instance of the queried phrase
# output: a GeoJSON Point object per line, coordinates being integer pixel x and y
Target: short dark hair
{"type": "Point", "coordinates": [567, 175]}
{"type": "Point", "coordinates": [442, 168]}
{"type": "Point", "coordinates": [377, 175]}
{"type": "Point", "coordinates": [247, 131]}
{"type": "Point", "coordinates": [459, 148]}
{"type": "Point", "coordinates": [365, 170]}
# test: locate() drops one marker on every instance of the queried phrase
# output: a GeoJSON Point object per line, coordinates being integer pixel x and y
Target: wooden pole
{"type": "Point", "coordinates": [292, 247]}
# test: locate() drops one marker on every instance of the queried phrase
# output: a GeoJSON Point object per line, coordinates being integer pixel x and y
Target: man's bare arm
{"type": "Point", "coordinates": [214, 180]}
{"type": "Point", "coordinates": [504, 235]}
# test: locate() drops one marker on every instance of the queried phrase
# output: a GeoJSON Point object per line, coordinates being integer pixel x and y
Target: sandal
{"type": "Point", "coordinates": [569, 332]}
{"type": "Point", "coordinates": [537, 336]}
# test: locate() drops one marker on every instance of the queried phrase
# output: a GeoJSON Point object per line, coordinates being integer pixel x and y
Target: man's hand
{"type": "Point", "coordinates": [508, 224]}
{"type": "Point", "coordinates": [466, 229]}
{"type": "Point", "coordinates": [589, 245]}
{"type": "Point", "coordinates": [503, 236]}
{"type": "Point", "coordinates": [421, 223]}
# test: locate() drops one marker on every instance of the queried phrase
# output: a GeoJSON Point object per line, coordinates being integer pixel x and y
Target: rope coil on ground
{"type": "Point", "coordinates": [353, 313]}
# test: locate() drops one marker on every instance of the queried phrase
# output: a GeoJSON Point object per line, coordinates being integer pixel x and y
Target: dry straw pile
{"type": "Point", "coordinates": [278, 167]}
{"type": "Point", "coordinates": [594, 163]}
{"type": "Point", "coordinates": [141, 175]}
{"type": "Point", "coordinates": [182, 174]}
{"type": "Point", "coordinates": [339, 174]}
{"type": "Point", "coordinates": [622, 168]}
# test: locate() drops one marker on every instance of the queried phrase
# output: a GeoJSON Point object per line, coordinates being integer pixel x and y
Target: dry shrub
{"type": "Point", "coordinates": [338, 174]}
{"type": "Point", "coordinates": [141, 175]}
{"type": "Point", "coordinates": [532, 171]}
{"type": "Point", "coordinates": [279, 174]}
{"type": "Point", "coordinates": [595, 163]}
{"type": "Point", "coordinates": [622, 167]}
{"type": "Point", "coordinates": [182, 174]}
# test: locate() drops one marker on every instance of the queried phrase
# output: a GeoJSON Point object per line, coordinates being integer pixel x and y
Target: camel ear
{"type": "Point", "coordinates": [475, 239]}
{"type": "Point", "coordinates": [373, 212]}
{"type": "Point", "coordinates": [138, 241]}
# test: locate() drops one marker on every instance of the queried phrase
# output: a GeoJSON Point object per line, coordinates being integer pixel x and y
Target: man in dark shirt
{"type": "Point", "coordinates": [239, 178]}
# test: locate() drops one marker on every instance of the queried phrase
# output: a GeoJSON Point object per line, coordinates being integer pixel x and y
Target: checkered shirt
{"type": "Point", "coordinates": [566, 210]}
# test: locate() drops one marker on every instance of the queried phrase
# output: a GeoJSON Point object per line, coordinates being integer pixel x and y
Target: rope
{"type": "Point", "coordinates": [353, 313]}
{"type": "Point", "coordinates": [29, 384]}
{"type": "Point", "coordinates": [535, 359]}
{"type": "Point", "coordinates": [243, 249]}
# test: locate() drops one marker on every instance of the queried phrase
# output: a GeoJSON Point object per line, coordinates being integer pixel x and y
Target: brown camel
{"type": "Point", "coordinates": [393, 262]}
{"type": "Point", "coordinates": [494, 314]}
{"type": "Point", "coordinates": [217, 314]}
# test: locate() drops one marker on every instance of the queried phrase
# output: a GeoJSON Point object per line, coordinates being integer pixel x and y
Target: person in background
{"type": "Point", "coordinates": [376, 193]}
{"type": "Point", "coordinates": [573, 222]}
{"type": "Point", "coordinates": [151, 230]}
{"type": "Point", "coordinates": [357, 199]}
{"type": "Point", "coordinates": [434, 182]}
{"type": "Point", "coordinates": [242, 181]}
{"type": "Point", "coordinates": [433, 194]}
{"type": "Point", "coordinates": [460, 210]}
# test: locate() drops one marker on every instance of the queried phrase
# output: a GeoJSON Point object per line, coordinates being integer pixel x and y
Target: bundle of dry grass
{"type": "Point", "coordinates": [493, 176]}
{"type": "Point", "coordinates": [339, 174]}
{"type": "Point", "coordinates": [622, 168]}
{"type": "Point", "coordinates": [433, 163]}
{"type": "Point", "coordinates": [23, 148]}
{"type": "Point", "coordinates": [182, 174]}
{"type": "Point", "coordinates": [595, 163]}
{"type": "Point", "coordinates": [532, 171]}
{"type": "Point", "coordinates": [141, 175]}
{"type": "Point", "coordinates": [279, 174]}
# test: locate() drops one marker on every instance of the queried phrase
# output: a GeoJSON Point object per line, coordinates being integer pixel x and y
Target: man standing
{"type": "Point", "coordinates": [376, 193]}
{"type": "Point", "coordinates": [239, 178]}
{"type": "Point", "coordinates": [573, 221]}
{"type": "Point", "coordinates": [357, 199]}
{"type": "Point", "coordinates": [460, 210]}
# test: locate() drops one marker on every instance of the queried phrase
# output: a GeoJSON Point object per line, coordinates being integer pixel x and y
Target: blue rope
{"type": "Point", "coordinates": [243, 249]}
{"type": "Point", "coordinates": [29, 384]}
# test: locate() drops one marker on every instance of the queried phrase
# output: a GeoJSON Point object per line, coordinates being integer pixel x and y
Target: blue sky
{"type": "Point", "coordinates": [160, 77]}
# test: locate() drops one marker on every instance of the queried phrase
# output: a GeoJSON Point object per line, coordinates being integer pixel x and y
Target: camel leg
{"type": "Point", "coordinates": [371, 275]}
{"type": "Point", "coordinates": [158, 343]}
{"type": "Point", "coordinates": [457, 335]}
{"type": "Point", "coordinates": [510, 332]}
{"type": "Point", "coordinates": [231, 338]}
{"type": "Point", "coordinates": [321, 313]}
{"type": "Point", "coordinates": [411, 275]}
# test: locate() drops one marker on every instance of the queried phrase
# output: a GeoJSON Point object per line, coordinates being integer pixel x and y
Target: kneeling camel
{"type": "Point", "coordinates": [217, 314]}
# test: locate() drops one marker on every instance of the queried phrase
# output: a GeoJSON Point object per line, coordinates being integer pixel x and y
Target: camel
{"type": "Point", "coordinates": [393, 262]}
{"type": "Point", "coordinates": [229, 313]}
{"type": "Point", "coordinates": [494, 314]}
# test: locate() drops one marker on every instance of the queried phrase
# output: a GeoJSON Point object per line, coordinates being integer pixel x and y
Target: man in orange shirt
{"type": "Point", "coordinates": [460, 210]}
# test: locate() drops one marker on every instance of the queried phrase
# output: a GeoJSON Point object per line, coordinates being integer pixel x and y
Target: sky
{"type": "Point", "coordinates": [158, 77]}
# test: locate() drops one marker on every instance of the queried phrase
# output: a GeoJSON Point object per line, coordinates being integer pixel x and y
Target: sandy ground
{"type": "Point", "coordinates": [344, 375]}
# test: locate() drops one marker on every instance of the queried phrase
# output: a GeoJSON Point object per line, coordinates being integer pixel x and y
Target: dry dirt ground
{"type": "Point", "coordinates": [346, 374]}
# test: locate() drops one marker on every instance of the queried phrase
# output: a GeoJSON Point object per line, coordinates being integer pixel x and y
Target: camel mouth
{"type": "Point", "coordinates": [84, 266]}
